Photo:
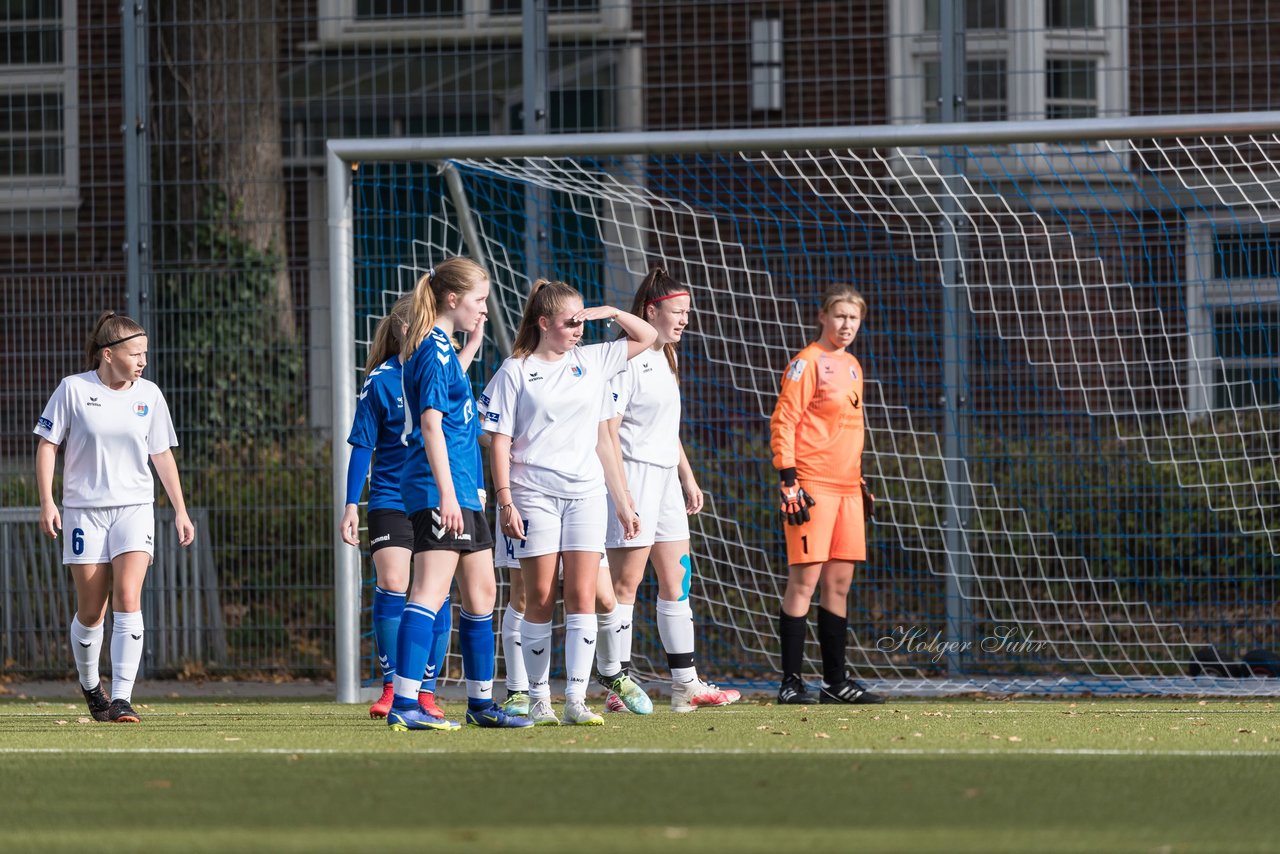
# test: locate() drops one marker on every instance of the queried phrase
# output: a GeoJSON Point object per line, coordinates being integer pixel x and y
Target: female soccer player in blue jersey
{"type": "Point", "coordinates": [443, 489]}
{"type": "Point", "coordinates": [544, 409]}
{"type": "Point", "coordinates": [646, 429]}
{"type": "Point", "coordinates": [376, 435]}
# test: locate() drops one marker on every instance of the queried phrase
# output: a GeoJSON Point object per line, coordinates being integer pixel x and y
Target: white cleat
{"type": "Point", "coordinates": [541, 713]}
{"type": "Point", "coordinates": [688, 696]}
{"type": "Point", "coordinates": [576, 713]}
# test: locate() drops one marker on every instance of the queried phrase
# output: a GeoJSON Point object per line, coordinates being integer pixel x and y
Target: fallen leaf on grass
{"type": "Point", "coordinates": [60, 723]}
{"type": "Point", "coordinates": [821, 735]}
{"type": "Point", "coordinates": [1015, 738]}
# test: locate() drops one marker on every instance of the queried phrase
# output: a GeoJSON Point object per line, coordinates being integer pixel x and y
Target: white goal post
{"type": "Point", "coordinates": [1087, 294]}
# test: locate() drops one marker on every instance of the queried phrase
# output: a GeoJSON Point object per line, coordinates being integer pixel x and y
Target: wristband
{"type": "Point", "coordinates": [787, 475]}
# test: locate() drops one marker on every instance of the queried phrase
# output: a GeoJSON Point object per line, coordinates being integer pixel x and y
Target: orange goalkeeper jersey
{"type": "Point", "coordinates": [817, 426]}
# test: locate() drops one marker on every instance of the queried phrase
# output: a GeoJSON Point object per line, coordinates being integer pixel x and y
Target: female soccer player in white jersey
{"type": "Point", "coordinates": [443, 487]}
{"type": "Point", "coordinates": [664, 491]}
{"type": "Point", "coordinates": [112, 421]}
{"type": "Point", "coordinates": [375, 436]}
{"type": "Point", "coordinates": [544, 409]}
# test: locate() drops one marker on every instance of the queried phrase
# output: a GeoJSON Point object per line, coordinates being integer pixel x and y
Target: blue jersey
{"type": "Point", "coordinates": [434, 379]}
{"type": "Point", "coordinates": [379, 425]}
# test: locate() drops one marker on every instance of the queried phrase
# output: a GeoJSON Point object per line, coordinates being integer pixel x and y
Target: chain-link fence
{"type": "Point", "coordinates": [166, 159]}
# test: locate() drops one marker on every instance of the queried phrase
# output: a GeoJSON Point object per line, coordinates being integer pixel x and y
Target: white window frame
{"type": "Point", "coordinates": [339, 25]}
{"type": "Point", "coordinates": [1204, 293]}
{"type": "Point", "coordinates": [48, 192]}
{"type": "Point", "coordinates": [1026, 42]}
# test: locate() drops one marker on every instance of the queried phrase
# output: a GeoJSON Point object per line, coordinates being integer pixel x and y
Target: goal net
{"type": "Point", "coordinates": [1073, 394]}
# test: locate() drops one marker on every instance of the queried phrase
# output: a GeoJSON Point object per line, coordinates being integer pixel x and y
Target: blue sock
{"type": "Point", "coordinates": [387, 607]}
{"type": "Point", "coordinates": [475, 636]}
{"type": "Point", "coordinates": [412, 651]}
{"type": "Point", "coordinates": [439, 647]}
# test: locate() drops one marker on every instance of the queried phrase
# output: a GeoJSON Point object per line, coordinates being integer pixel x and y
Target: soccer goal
{"type": "Point", "coordinates": [1072, 351]}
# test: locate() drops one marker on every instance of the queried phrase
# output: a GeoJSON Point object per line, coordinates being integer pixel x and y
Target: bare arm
{"type": "Point", "coordinates": [438, 458]}
{"type": "Point", "coordinates": [469, 350]}
{"type": "Point", "coordinates": [46, 460]}
{"type": "Point", "coordinates": [167, 469]}
{"type": "Point", "coordinates": [615, 478]}
{"type": "Point", "coordinates": [640, 335]}
{"type": "Point", "coordinates": [692, 492]}
{"type": "Point", "coordinates": [500, 464]}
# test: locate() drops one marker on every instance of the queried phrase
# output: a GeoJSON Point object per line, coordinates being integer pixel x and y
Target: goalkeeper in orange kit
{"type": "Point", "coordinates": [816, 435]}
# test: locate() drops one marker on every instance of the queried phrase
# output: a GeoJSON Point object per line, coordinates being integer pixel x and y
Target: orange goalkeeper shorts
{"type": "Point", "coordinates": [835, 530]}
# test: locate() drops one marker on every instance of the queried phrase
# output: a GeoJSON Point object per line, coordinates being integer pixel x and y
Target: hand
{"type": "Point", "coordinates": [450, 515]}
{"type": "Point", "coordinates": [50, 520]}
{"type": "Point", "coordinates": [349, 527]}
{"type": "Point", "coordinates": [599, 312]}
{"type": "Point", "coordinates": [795, 504]}
{"type": "Point", "coordinates": [186, 530]}
{"type": "Point", "coordinates": [630, 519]}
{"type": "Point", "coordinates": [868, 503]}
{"type": "Point", "coordinates": [692, 497]}
{"type": "Point", "coordinates": [512, 524]}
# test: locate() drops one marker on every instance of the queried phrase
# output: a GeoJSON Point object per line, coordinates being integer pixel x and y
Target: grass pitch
{"type": "Point", "coordinates": [963, 775]}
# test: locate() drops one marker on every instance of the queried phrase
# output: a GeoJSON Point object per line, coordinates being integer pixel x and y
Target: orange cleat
{"type": "Point", "coordinates": [380, 708]}
{"type": "Point", "coordinates": [427, 700]}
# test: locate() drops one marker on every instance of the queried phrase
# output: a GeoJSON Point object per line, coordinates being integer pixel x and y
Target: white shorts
{"type": "Point", "coordinates": [553, 524]}
{"type": "Point", "coordinates": [98, 534]}
{"type": "Point", "coordinates": [659, 503]}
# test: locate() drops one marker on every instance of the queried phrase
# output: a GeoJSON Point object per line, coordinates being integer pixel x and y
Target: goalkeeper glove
{"type": "Point", "coordinates": [868, 504]}
{"type": "Point", "coordinates": [795, 504]}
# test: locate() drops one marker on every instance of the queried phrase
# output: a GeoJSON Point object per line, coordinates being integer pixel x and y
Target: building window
{"type": "Point", "coordinates": [1233, 316]}
{"type": "Point", "coordinates": [766, 64]}
{"type": "Point", "coordinates": [366, 20]}
{"type": "Point", "coordinates": [1025, 59]}
{"type": "Point", "coordinates": [38, 151]}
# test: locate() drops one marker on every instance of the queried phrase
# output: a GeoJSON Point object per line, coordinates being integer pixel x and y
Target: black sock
{"type": "Point", "coordinates": [791, 631]}
{"type": "Point", "coordinates": [833, 637]}
{"type": "Point", "coordinates": [626, 667]}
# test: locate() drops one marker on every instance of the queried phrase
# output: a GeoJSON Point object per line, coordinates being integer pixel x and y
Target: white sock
{"type": "Point", "coordinates": [126, 652]}
{"type": "Point", "coordinates": [626, 613]}
{"type": "Point", "coordinates": [675, 627]}
{"type": "Point", "coordinates": [579, 653]}
{"type": "Point", "coordinates": [608, 662]}
{"type": "Point", "coordinates": [536, 650]}
{"type": "Point", "coordinates": [517, 676]}
{"type": "Point", "coordinates": [86, 647]}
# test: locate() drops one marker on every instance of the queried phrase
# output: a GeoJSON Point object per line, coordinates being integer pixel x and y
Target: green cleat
{"type": "Point", "coordinates": [631, 694]}
{"type": "Point", "coordinates": [517, 703]}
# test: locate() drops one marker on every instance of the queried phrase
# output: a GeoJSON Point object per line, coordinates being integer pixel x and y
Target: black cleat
{"type": "Point", "coordinates": [849, 691]}
{"type": "Point", "coordinates": [793, 693]}
{"type": "Point", "coordinates": [122, 713]}
{"type": "Point", "coordinates": [99, 705]}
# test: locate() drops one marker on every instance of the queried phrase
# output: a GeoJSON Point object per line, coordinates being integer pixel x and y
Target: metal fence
{"type": "Point", "coordinates": [167, 159]}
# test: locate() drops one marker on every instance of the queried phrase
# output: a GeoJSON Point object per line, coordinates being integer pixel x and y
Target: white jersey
{"type": "Point", "coordinates": [647, 397]}
{"type": "Point", "coordinates": [552, 412]}
{"type": "Point", "coordinates": [110, 435]}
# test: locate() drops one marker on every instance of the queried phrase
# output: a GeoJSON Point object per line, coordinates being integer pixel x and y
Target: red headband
{"type": "Point", "coordinates": [668, 296]}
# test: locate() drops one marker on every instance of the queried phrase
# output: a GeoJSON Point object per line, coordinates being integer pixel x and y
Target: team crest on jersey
{"type": "Point", "coordinates": [796, 371]}
{"type": "Point", "coordinates": [140, 409]}
{"type": "Point", "coordinates": [576, 370]}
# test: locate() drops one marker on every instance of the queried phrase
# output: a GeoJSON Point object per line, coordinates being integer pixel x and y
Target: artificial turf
{"type": "Point", "coordinates": [962, 775]}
